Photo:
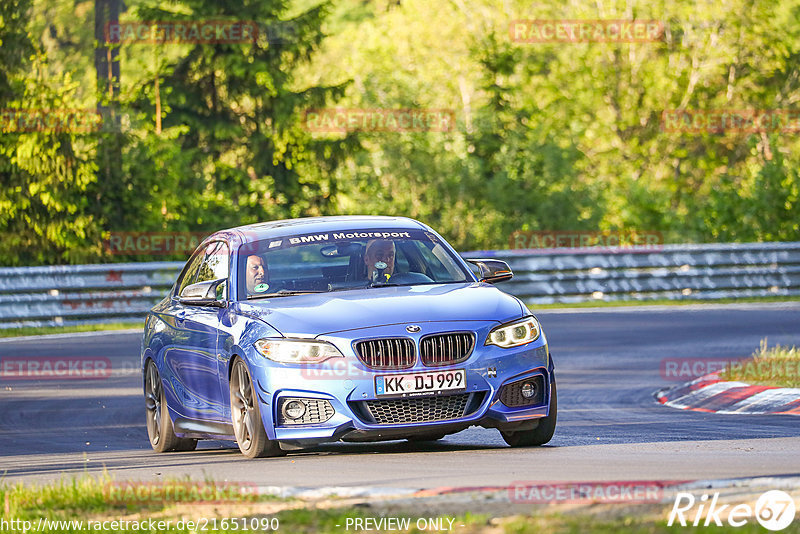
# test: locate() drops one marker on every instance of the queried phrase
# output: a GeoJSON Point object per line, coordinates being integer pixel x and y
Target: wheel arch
{"type": "Point", "coordinates": [236, 354]}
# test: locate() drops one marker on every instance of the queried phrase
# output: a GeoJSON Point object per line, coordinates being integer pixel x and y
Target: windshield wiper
{"type": "Point", "coordinates": [282, 293]}
{"type": "Point", "coordinates": [383, 284]}
{"type": "Point", "coordinates": [402, 284]}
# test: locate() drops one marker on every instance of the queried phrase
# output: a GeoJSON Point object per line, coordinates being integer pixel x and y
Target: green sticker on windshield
{"type": "Point", "coordinates": [260, 288]}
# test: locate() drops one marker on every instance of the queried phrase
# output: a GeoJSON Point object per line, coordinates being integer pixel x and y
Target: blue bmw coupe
{"type": "Point", "coordinates": [288, 334]}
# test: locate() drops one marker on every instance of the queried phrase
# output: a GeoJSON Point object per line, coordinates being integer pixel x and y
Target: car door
{"type": "Point", "coordinates": [192, 359]}
{"type": "Point", "coordinates": [176, 344]}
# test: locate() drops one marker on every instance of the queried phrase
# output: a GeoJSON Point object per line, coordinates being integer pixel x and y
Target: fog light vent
{"type": "Point", "coordinates": [295, 411]}
{"type": "Point", "coordinates": [525, 392]}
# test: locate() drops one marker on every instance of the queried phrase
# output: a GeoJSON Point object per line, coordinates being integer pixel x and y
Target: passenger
{"type": "Point", "coordinates": [379, 251]}
{"type": "Point", "coordinates": [255, 273]}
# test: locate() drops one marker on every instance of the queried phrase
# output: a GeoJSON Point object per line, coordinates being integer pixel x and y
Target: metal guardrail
{"type": "Point", "coordinates": [77, 294]}
{"type": "Point", "coordinates": [674, 272]}
{"type": "Point", "coordinates": [64, 295]}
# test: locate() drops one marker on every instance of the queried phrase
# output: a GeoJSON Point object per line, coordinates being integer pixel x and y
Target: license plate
{"type": "Point", "coordinates": [421, 383]}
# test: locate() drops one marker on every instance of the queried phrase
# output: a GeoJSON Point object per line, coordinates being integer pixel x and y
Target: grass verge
{"type": "Point", "coordinates": [777, 366]}
{"type": "Point", "coordinates": [90, 505]}
{"type": "Point", "coordinates": [43, 330]}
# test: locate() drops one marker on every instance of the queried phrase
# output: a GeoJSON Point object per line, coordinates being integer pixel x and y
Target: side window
{"type": "Point", "coordinates": [434, 263]}
{"type": "Point", "coordinates": [401, 263]}
{"type": "Point", "coordinates": [215, 264]}
{"type": "Point", "coordinates": [189, 273]}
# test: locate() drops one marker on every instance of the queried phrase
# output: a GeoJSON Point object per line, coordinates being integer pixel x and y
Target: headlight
{"type": "Point", "coordinates": [296, 350]}
{"type": "Point", "coordinates": [515, 334]}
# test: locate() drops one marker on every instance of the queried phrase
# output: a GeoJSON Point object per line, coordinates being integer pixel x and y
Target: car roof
{"type": "Point", "coordinates": [309, 225]}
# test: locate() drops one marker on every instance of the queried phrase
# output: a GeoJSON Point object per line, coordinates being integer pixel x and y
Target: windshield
{"type": "Point", "coordinates": [332, 261]}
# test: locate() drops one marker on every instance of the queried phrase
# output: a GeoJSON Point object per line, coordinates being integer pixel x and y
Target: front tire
{"type": "Point", "coordinates": [246, 415]}
{"type": "Point", "coordinates": [159, 425]}
{"type": "Point", "coordinates": [543, 431]}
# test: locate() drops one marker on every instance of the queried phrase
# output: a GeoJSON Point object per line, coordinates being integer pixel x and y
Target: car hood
{"type": "Point", "coordinates": [327, 313]}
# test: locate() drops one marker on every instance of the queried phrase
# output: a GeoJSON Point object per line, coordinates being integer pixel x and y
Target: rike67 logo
{"type": "Point", "coordinates": [774, 510]}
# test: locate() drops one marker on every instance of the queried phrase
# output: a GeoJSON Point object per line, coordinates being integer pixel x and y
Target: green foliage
{"type": "Point", "coordinates": [43, 175]}
{"type": "Point", "coordinates": [15, 46]}
{"type": "Point", "coordinates": [548, 136]}
{"type": "Point", "coordinates": [569, 136]}
{"type": "Point", "coordinates": [231, 138]}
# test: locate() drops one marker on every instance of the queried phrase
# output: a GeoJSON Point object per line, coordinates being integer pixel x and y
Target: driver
{"type": "Point", "coordinates": [379, 254]}
{"type": "Point", "coordinates": [255, 272]}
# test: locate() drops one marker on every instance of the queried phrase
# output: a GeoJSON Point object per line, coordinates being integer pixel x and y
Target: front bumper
{"type": "Point", "coordinates": [349, 387]}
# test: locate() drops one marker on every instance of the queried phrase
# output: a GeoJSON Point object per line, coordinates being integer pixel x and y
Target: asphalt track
{"type": "Point", "coordinates": [610, 428]}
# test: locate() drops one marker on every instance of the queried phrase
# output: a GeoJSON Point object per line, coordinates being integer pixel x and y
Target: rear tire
{"type": "Point", "coordinates": [246, 416]}
{"type": "Point", "coordinates": [159, 425]}
{"type": "Point", "coordinates": [543, 431]}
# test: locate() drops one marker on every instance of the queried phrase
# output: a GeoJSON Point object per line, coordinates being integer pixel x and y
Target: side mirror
{"type": "Point", "coordinates": [208, 293]}
{"type": "Point", "coordinates": [493, 271]}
